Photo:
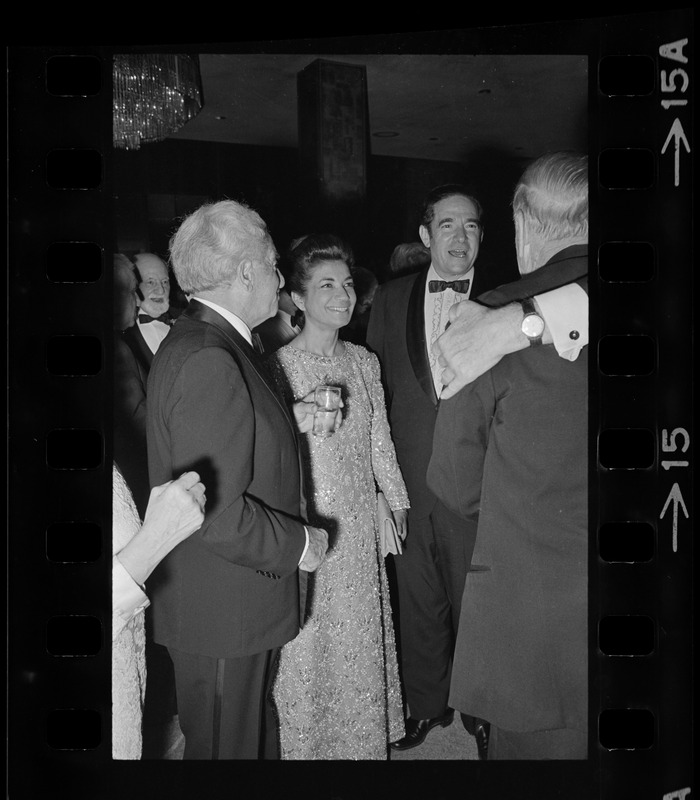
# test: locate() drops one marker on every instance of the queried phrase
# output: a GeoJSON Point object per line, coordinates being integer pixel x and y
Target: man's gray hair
{"type": "Point", "coordinates": [552, 195]}
{"type": "Point", "coordinates": [207, 248]}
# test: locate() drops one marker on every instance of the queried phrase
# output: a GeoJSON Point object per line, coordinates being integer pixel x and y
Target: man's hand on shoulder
{"type": "Point", "coordinates": [476, 339]}
{"type": "Point", "coordinates": [316, 551]}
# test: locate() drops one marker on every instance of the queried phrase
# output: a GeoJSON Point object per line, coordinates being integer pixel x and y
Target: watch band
{"type": "Point", "coordinates": [529, 310]}
{"type": "Point", "coordinates": [528, 305]}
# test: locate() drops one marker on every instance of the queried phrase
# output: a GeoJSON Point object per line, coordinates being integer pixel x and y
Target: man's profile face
{"type": "Point", "coordinates": [269, 281]}
{"type": "Point", "coordinates": [154, 286]}
{"type": "Point", "coordinates": [454, 236]}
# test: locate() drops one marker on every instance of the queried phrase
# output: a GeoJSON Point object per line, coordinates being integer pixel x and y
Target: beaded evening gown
{"type": "Point", "coordinates": [337, 689]}
{"type": "Point", "coordinates": [128, 647]}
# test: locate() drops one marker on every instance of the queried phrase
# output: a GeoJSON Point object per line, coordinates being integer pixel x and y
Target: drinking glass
{"type": "Point", "coordinates": [327, 399]}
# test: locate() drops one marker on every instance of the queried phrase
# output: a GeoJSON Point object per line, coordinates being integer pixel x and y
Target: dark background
{"type": "Point", "coordinates": [159, 183]}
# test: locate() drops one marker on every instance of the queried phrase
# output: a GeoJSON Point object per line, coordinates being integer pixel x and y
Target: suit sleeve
{"type": "Point", "coordinates": [212, 429]}
{"type": "Point", "coordinates": [460, 440]}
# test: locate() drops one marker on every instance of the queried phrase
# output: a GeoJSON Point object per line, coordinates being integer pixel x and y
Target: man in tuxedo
{"type": "Point", "coordinates": [509, 456]}
{"type": "Point", "coordinates": [154, 313]}
{"type": "Point", "coordinates": [409, 314]}
{"type": "Point", "coordinates": [226, 599]}
{"type": "Point", "coordinates": [134, 351]}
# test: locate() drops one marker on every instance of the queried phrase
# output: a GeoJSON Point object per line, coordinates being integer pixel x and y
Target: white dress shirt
{"type": "Point", "coordinates": [436, 310]}
{"type": "Point", "coordinates": [153, 333]}
{"type": "Point", "coordinates": [230, 317]}
{"type": "Point", "coordinates": [565, 310]}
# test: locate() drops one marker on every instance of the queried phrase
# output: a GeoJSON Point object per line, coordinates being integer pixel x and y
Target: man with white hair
{"type": "Point", "coordinates": [154, 313]}
{"type": "Point", "coordinates": [510, 455]}
{"type": "Point", "coordinates": [225, 600]}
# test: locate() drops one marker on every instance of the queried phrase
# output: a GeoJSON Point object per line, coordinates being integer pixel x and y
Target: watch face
{"type": "Point", "coordinates": [533, 325]}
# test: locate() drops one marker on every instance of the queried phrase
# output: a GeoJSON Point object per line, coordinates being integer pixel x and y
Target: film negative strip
{"type": "Point", "coordinates": [641, 568]}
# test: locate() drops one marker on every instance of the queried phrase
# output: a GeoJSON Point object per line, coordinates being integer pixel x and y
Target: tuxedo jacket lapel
{"type": "Point", "coordinates": [415, 336]}
{"type": "Point", "coordinates": [239, 344]}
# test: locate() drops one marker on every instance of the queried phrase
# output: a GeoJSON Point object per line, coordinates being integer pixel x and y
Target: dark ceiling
{"type": "Point", "coordinates": [443, 107]}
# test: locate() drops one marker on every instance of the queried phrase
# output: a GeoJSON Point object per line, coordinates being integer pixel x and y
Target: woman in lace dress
{"type": "Point", "coordinates": [175, 510]}
{"type": "Point", "coordinates": [337, 689]}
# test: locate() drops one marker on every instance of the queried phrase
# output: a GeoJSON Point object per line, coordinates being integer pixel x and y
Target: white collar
{"type": "Point", "coordinates": [230, 317]}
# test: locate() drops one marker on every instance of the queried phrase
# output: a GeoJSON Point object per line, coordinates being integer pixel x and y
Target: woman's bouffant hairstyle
{"type": "Point", "coordinates": [304, 253]}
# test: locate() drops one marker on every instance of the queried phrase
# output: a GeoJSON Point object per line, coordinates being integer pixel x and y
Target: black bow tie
{"type": "Point", "coordinates": [457, 286]}
{"type": "Point", "coordinates": [165, 317]}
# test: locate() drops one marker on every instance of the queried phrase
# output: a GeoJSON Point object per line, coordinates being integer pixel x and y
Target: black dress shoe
{"type": "Point", "coordinates": [418, 729]}
{"type": "Point", "coordinates": [481, 735]}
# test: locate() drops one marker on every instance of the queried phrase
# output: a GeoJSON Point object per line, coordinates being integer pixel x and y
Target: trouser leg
{"type": "Point", "coordinates": [425, 625]}
{"type": "Point", "coordinates": [455, 540]}
{"type": "Point", "coordinates": [223, 705]}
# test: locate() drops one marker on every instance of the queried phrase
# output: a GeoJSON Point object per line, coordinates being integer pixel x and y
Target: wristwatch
{"type": "Point", "coordinates": [533, 324]}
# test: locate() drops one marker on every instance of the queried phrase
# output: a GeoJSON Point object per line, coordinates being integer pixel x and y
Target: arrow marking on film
{"type": "Point", "coordinates": [678, 135]}
{"type": "Point", "coordinates": [677, 498]}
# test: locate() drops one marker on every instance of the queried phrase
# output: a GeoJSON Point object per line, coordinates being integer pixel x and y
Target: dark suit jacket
{"type": "Point", "coordinates": [396, 333]}
{"type": "Point", "coordinates": [521, 653]}
{"type": "Point", "coordinates": [142, 352]}
{"type": "Point", "coordinates": [213, 408]}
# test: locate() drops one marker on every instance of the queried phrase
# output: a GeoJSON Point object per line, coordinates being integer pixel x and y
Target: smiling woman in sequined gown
{"type": "Point", "coordinates": [337, 689]}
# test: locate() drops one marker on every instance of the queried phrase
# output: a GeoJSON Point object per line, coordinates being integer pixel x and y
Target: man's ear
{"type": "Point", "coordinates": [522, 242]}
{"type": "Point", "coordinates": [519, 233]}
{"type": "Point", "coordinates": [424, 234]}
{"type": "Point", "coordinates": [246, 274]}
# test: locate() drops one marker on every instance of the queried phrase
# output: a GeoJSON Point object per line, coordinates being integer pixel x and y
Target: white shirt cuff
{"type": "Point", "coordinates": [306, 546]}
{"type": "Point", "coordinates": [565, 310]}
{"type": "Point", "coordinates": [128, 598]}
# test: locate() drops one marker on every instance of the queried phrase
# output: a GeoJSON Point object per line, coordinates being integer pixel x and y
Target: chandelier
{"type": "Point", "coordinates": [154, 95]}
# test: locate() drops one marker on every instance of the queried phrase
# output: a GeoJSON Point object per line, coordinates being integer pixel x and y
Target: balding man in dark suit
{"type": "Point", "coordinates": [408, 319]}
{"type": "Point", "coordinates": [510, 457]}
